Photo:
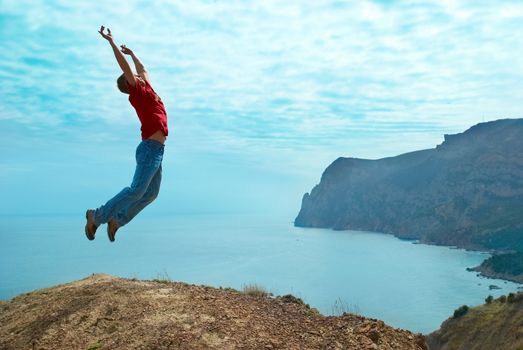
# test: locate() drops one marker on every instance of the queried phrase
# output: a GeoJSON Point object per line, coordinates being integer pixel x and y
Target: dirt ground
{"type": "Point", "coordinates": [105, 312]}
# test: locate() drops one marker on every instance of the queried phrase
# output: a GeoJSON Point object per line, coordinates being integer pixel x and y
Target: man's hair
{"type": "Point", "coordinates": [122, 84]}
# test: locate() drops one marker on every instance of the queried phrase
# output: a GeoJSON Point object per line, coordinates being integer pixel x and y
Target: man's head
{"type": "Point", "coordinates": [122, 84]}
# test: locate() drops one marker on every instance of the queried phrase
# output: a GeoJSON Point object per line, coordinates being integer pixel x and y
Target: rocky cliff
{"type": "Point", "coordinates": [466, 192]}
{"type": "Point", "coordinates": [104, 312]}
{"type": "Point", "coordinates": [496, 325]}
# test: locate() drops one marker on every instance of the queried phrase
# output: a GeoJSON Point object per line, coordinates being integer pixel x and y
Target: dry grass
{"type": "Point", "coordinates": [255, 290]}
{"type": "Point", "coordinates": [163, 278]}
{"type": "Point", "coordinates": [341, 307]}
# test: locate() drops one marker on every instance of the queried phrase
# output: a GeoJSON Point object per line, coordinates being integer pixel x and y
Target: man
{"type": "Point", "coordinates": [145, 186]}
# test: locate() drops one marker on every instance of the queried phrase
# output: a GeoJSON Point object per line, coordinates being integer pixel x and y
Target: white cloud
{"type": "Point", "coordinates": [246, 71]}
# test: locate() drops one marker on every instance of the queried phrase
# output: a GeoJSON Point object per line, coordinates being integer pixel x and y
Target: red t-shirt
{"type": "Point", "coordinates": [149, 107]}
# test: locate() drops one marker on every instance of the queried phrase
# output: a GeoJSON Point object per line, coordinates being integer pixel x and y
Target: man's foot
{"type": "Point", "coordinates": [112, 227]}
{"type": "Point", "coordinates": [90, 227]}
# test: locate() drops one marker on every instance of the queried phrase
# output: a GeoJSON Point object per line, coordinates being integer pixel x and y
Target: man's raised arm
{"type": "Point", "coordinates": [120, 58]}
{"type": "Point", "coordinates": [140, 69]}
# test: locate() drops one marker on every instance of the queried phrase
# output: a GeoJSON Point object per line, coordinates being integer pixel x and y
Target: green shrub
{"type": "Point", "coordinates": [511, 297]}
{"type": "Point", "coordinates": [289, 298]}
{"type": "Point", "coordinates": [502, 298]}
{"type": "Point", "coordinates": [95, 346]}
{"type": "Point", "coordinates": [489, 299]}
{"type": "Point", "coordinates": [460, 311]}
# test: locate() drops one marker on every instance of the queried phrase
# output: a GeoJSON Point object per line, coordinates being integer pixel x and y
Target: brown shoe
{"type": "Point", "coordinates": [112, 227]}
{"type": "Point", "coordinates": [90, 227]}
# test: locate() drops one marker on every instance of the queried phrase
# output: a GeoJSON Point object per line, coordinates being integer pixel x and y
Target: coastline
{"type": "Point", "coordinates": [481, 269]}
{"type": "Point", "coordinates": [484, 271]}
{"type": "Point", "coordinates": [489, 273]}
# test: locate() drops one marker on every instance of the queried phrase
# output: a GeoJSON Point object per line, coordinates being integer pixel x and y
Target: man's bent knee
{"type": "Point", "coordinates": [150, 197]}
{"type": "Point", "coordinates": [135, 193]}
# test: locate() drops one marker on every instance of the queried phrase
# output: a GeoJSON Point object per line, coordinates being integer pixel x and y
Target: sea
{"type": "Point", "coordinates": [408, 285]}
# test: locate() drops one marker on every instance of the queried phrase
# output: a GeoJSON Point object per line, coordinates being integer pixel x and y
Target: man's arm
{"type": "Point", "coordinates": [120, 58]}
{"type": "Point", "coordinates": [140, 69]}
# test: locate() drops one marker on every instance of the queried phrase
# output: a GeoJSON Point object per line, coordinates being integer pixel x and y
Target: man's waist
{"type": "Point", "coordinates": [158, 136]}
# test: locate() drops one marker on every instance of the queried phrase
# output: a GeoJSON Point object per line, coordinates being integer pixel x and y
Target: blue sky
{"type": "Point", "coordinates": [261, 95]}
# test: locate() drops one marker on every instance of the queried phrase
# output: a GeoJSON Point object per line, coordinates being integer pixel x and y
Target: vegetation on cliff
{"type": "Point", "coordinates": [506, 266]}
{"type": "Point", "coordinates": [498, 324]}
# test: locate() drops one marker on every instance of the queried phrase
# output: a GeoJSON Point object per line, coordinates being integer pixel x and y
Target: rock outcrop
{"type": "Point", "coordinates": [104, 312]}
{"type": "Point", "coordinates": [466, 192]}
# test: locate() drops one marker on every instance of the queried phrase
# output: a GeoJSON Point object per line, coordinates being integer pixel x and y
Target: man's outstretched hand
{"type": "Point", "coordinates": [120, 58]}
{"type": "Point", "coordinates": [107, 36]}
{"type": "Point", "coordinates": [126, 50]}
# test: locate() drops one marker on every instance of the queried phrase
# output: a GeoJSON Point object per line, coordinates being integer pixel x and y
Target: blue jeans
{"type": "Point", "coordinates": [144, 189]}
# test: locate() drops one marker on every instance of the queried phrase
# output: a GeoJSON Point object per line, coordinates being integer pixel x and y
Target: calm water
{"type": "Point", "coordinates": [407, 285]}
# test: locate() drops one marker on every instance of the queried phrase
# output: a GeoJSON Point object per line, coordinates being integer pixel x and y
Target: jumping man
{"type": "Point", "coordinates": [145, 186]}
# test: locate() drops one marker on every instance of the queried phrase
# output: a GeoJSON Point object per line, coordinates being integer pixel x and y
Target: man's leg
{"type": "Point", "coordinates": [128, 213]}
{"type": "Point", "coordinates": [148, 161]}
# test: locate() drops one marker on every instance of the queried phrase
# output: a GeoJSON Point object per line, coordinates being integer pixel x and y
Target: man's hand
{"type": "Point", "coordinates": [107, 36]}
{"type": "Point", "coordinates": [120, 58]}
{"type": "Point", "coordinates": [126, 50]}
{"type": "Point", "coordinates": [140, 69]}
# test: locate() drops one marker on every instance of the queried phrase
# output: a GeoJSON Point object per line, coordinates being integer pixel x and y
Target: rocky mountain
{"type": "Point", "coordinates": [466, 192]}
{"type": "Point", "coordinates": [495, 325]}
{"type": "Point", "coordinates": [104, 312]}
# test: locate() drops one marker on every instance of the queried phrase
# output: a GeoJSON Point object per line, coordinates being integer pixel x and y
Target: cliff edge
{"type": "Point", "coordinates": [105, 312]}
